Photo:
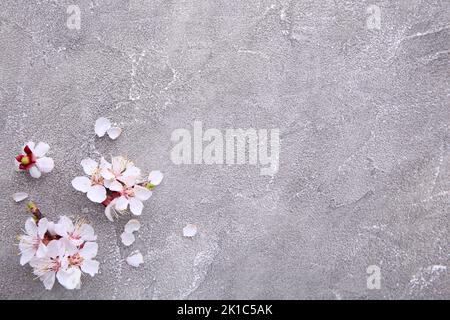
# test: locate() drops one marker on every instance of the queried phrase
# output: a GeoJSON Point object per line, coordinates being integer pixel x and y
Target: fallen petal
{"type": "Point", "coordinates": [155, 177]}
{"type": "Point", "coordinates": [190, 230]}
{"type": "Point", "coordinates": [132, 226]}
{"type": "Point", "coordinates": [20, 196]}
{"type": "Point", "coordinates": [114, 132]}
{"type": "Point", "coordinates": [101, 126]}
{"type": "Point", "coordinates": [127, 238]}
{"type": "Point", "coordinates": [135, 259]}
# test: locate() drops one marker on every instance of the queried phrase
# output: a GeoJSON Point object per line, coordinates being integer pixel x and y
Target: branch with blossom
{"type": "Point", "coordinates": [118, 185]}
{"type": "Point", "coordinates": [62, 250]}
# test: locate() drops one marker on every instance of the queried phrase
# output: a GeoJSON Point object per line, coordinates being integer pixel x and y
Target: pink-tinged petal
{"type": "Point", "coordinates": [155, 177]}
{"type": "Point", "coordinates": [121, 203]}
{"type": "Point", "coordinates": [115, 186]}
{"type": "Point", "coordinates": [48, 279]}
{"type": "Point", "coordinates": [89, 166]}
{"type": "Point", "coordinates": [114, 132]}
{"type": "Point", "coordinates": [136, 206]}
{"type": "Point", "coordinates": [42, 227]}
{"type": "Point", "coordinates": [135, 259]}
{"type": "Point", "coordinates": [45, 164]}
{"type": "Point", "coordinates": [41, 149]}
{"type": "Point", "coordinates": [31, 227]}
{"type": "Point", "coordinates": [87, 233]}
{"type": "Point", "coordinates": [35, 173]}
{"type": "Point", "coordinates": [20, 196]}
{"type": "Point", "coordinates": [142, 193]}
{"type": "Point", "coordinates": [97, 194]}
{"type": "Point", "coordinates": [127, 238]}
{"type": "Point", "coordinates": [90, 267]}
{"type": "Point", "coordinates": [89, 250]}
{"type": "Point", "coordinates": [81, 184]}
{"type": "Point", "coordinates": [69, 278]}
{"type": "Point", "coordinates": [101, 126]}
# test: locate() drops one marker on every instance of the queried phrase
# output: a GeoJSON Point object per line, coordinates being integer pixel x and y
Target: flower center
{"type": "Point", "coordinates": [76, 260]}
{"type": "Point", "coordinates": [25, 160]}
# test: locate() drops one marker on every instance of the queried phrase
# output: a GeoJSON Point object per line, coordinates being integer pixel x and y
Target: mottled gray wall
{"type": "Point", "coordinates": [364, 163]}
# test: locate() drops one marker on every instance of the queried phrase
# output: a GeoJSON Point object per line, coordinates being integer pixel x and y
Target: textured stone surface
{"type": "Point", "coordinates": [364, 164]}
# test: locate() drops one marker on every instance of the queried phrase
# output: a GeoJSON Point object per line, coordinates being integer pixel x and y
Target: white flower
{"type": "Point", "coordinates": [60, 251]}
{"type": "Point", "coordinates": [49, 266]}
{"type": "Point", "coordinates": [30, 243]}
{"type": "Point", "coordinates": [33, 159]}
{"type": "Point", "coordinates": [77, 261]}
{"type": "Point", "coordinates": [103, 125]}
{"type": "Point", "coordinates": [133, 197]}
{"type": "Point", "coordinates": [120, 170]}
{"type": "Point", "coordinates": [77, 233]}
{"type": "Point", "coordinates": [92, 185]}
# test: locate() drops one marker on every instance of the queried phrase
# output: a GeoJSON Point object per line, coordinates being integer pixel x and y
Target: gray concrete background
{"type": "Point", "coordinates": [364, 164]}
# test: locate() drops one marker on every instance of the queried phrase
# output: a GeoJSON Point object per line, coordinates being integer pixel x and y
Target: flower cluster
{"type": "Point", "coordinates": [33, 159]}
{"type": "Point", "coordinates": [61, 250]}
{"type": "Point", "coordinates": [118, 185]}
